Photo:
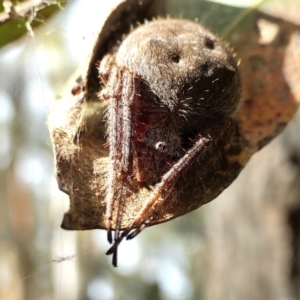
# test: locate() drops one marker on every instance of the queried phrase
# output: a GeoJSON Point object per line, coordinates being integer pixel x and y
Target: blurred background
{"type": "Point", "coordinates": [243, 245]}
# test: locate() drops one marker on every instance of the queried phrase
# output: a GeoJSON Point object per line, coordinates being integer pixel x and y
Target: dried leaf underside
{"type": "Point", "coordinates": [270, 84]}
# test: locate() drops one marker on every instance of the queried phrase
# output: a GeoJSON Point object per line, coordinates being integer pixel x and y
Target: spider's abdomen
{"type": "Point", "coordinates": [189, 69]}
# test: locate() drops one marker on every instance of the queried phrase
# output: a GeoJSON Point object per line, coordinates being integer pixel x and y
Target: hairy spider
{"type": "Point", "coordinates": [171, 90]}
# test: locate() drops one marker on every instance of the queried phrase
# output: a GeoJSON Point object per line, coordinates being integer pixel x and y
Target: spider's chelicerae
{"type": "Point", "coordinates": [171, 90]}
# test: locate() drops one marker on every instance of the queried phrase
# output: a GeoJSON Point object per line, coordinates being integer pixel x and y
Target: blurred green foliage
{"type": "Point", "coordinates": [16, 26]}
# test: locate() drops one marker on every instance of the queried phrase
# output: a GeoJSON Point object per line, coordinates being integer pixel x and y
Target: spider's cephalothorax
{"type": "Point", "coordinates": [171, 90]}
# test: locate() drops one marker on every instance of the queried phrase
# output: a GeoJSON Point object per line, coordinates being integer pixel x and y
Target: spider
{"type": "Point", "coordinates": [171, 89]}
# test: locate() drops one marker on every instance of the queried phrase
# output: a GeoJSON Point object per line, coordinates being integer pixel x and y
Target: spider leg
{"type": "Point", "coordinates": [168, 181]}
{"type": "Point", "coordinates": [128, 101]}
{"type": "Point", "coordinates": [159, 195]}
{"type": "Point", "coordinates": [121, 94]}
{"type": "Point", "coordinates": [136, 232]}
{"type": "Point", "coordinates": [112, 94]}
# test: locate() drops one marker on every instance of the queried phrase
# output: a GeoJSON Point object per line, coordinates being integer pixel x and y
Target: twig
{"type": "Point", "coordinates": [25, 10]}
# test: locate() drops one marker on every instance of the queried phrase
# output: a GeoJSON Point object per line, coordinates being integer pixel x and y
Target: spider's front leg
{"type": "Point", "coordinates": [121, 95]}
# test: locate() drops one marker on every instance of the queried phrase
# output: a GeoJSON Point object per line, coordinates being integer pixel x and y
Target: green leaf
{"type": "Point", "coordinates": [27, 17]}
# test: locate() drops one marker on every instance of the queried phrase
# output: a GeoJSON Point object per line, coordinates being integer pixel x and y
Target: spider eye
{"type": "Point", "coordinates": [175, 58]}
{"type": "Point", "coordinates": [204, 68]}
{"type": "Point", "coordinates": [209, 43]}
